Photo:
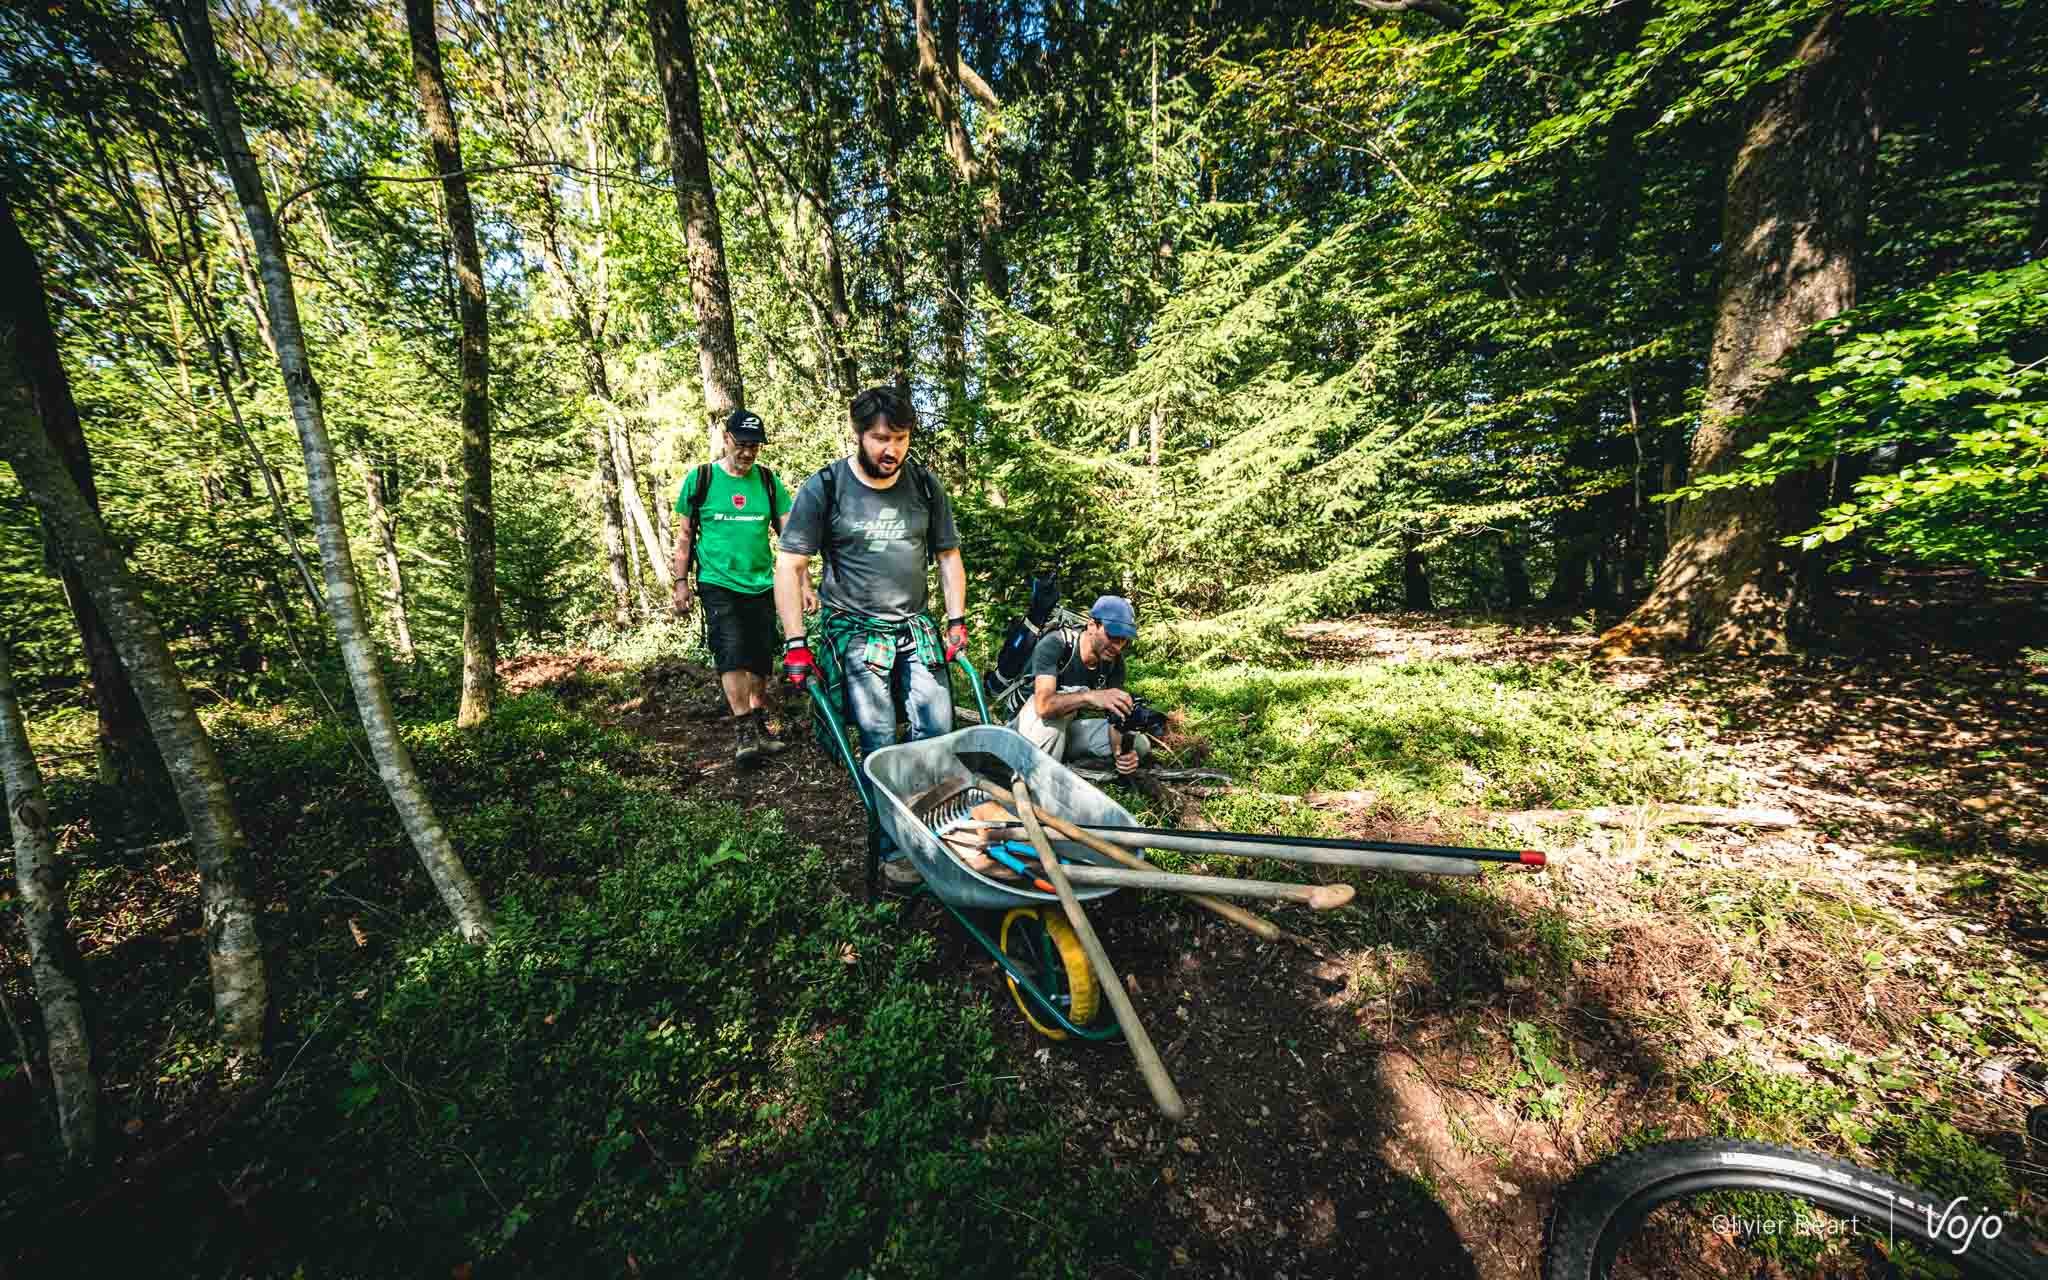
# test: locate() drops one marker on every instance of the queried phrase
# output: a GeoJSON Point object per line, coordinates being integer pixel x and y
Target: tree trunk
{"type": "Point", "coordinates": [938, 74]}
{"type": "Point", "coordinates": [1568, 585]}
{"type": "Point", "coordinates": [479, 525]}
{"type": "Point", "coordinates": [234, 952]}
{"type": "Point", "coordinates": [127, 758]}
{"type": "Point", "coordinates": [53, 958]}
{"type": "Point", "coordinates": [373, 700]}
{"type": "Point", "coordinates": [380, 492]}
{"type": "Point", "coordinates": [614, 527]}
{"type": "Point", "coordinates": [1514, 567]}
{"type": "Point", "coordinates": [636, 506]}
{"type": "Point", "coordinates": [718, 351]}
{"type": "Point", "coordinates": [1414, 576]}
{"type": "Point", "coordinates": [598, 382]}
{"type": "Point", "coordinates": [1792, 232]}
{"type": "Point", "coordinates": [896, 312]}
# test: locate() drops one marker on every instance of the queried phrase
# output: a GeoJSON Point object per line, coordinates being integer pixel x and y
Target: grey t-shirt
{"type": "Point", "coordinates": [1054, 657]}
{"type": "Point", "coordinates": [877, 563]}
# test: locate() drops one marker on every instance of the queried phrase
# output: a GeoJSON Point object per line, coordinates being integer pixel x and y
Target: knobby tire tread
{"type": "Point", "coordinates": [1597, 1201]}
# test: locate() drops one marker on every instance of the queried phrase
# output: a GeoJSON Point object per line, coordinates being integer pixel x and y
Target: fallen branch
{"type": "Point", "coordinates": [1157, 775]}
{"type": "Point", "coordinates": [1655, 815]}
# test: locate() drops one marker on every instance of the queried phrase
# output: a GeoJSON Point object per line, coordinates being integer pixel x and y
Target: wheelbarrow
{"type": "Point", "coordinates": [1041, 960]}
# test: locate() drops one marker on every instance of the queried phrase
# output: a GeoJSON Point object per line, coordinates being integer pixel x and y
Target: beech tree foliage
{"type": "Point", "coordinates": [1260, 313]}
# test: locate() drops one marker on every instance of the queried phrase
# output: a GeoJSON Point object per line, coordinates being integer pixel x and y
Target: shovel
{"type": "Point", "coordinates": [1164, 1095]}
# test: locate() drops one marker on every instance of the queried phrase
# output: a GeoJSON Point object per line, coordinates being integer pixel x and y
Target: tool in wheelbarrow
{"type": "Point", "coordinates": [1250, 922]}
{"type": "Point", "coordinates": [1377, 855]}
{"type": "Point", "coordinates": [1164, 1094]}
{"type": "Point", "coordinates": [962, 816]}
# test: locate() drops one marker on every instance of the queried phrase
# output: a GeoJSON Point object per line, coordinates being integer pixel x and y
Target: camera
{"type": "Point", "coordinates": [1142, 718]}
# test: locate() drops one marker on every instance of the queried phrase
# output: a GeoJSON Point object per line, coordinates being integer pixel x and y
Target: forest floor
{"type": "Point", "coordinates": [1867, 981]}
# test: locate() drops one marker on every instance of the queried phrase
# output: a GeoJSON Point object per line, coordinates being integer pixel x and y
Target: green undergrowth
{"type": "Point", "coordinates": [1423, 735]}
{"type": "Point", "coordinates": [684, 1053]}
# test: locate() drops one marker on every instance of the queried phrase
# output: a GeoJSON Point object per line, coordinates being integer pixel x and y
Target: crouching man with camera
{"type": "Point", "coordinates": [1071, 678]}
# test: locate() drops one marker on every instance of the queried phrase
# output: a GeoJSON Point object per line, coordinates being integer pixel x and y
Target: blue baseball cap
{"type": "Point", "coordinates": [1116, 617]}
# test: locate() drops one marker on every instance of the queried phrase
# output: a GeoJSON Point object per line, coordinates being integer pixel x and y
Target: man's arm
{"type": "Point", "coordinates": [686, 537]}
{"type": "Point", "coordinates": [792, 586]}
{"type": "Point", "coordinates": [1051, 704]}
{"type": "Point", "coordinates": [953, 582]}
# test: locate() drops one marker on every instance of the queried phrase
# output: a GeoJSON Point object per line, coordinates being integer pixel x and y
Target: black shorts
{"type": "Point", "coordinates": [740, 629]}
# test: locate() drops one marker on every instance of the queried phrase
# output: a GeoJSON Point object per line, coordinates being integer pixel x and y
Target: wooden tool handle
{"type": "Point", "coordinates": [1164, 1094]}
{"type": "Point", "coordinates": [1320, 897]}
{"type": "Point", "coordinates": [1246, 920]}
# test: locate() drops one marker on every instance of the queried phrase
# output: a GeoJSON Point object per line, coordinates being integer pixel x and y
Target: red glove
{"type": "Point", "coordinates": [797, 663]}
{"type": "Point", "coordinates": [956, 637]}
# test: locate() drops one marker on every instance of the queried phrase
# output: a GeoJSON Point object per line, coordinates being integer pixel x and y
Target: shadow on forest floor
{"type": "Point", "coordinates": [1406, 1098]}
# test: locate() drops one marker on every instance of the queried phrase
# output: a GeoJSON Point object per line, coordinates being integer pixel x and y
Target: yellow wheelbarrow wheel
{"type": "Point", "coordinates": [1039, 940]}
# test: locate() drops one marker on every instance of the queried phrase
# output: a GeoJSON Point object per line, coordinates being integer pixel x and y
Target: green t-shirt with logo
{"type": "Point", "coordinates": [735, 550]}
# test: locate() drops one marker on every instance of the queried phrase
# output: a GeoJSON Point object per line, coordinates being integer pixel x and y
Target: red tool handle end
{"type": "Point", "coordinates": [1532, 858]}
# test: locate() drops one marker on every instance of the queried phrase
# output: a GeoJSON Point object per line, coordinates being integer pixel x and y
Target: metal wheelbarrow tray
{"type": "Point", "coordinates": [1048, 978]}
{"type": "Point", "coordinates": [898, 773]}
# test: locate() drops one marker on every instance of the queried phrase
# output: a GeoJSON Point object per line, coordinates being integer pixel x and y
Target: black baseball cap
{"type": "Point", "coordinates": [746, 427]}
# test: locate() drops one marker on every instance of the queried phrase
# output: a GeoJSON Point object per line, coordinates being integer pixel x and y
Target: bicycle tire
{"type": "Point", "coordinates": [1598, 1213]}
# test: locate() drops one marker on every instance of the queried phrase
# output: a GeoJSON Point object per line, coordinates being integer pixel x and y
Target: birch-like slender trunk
{"type": "Point", "coordinates": [718, 350]}
{"type": "Point", "coordinates": [598, 382]}
{"type": "Point", "coordinates": [636, 505]}
{"type": "Point", "coordinates": [344, 602]}
{"type": "Point", "coordinates": [228, 916]}
{"type": "Point", "coordinates": [53, 958]}
{"type": "Point", "coordinates": [380, 492]}
{"type": "Point", "coordinates": [479, 523]}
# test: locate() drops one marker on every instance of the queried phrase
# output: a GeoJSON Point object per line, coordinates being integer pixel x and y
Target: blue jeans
{"type": "Point", "coordinates": [871, 697]}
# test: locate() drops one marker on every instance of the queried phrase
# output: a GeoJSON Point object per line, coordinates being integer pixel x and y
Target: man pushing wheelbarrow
{"type": "Point", "coordinates": [879, 519]}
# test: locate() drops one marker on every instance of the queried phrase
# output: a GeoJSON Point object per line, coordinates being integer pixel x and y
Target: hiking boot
{"type": "Point", "coordinates": [901, 870]}
{"type": "Point", "coordinates": [746, 740]}
{"type": "Point", "coordinates": [770, 744]}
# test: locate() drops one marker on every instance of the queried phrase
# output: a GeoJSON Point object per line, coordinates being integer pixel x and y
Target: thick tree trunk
{"type": "Point", "coordinates": [838, 311]}
{"type": "Point", "coordinates": [1514, 567]}
{"type": "Point", "coordinates": [718, 351]}
{"type": "Point", "coordinates": [479, 524]}
{"type": "Point", "coordinates": [380, 492]}
{"type": "Point", "coordinates": [53, 958]}
{"type": "Point", "coordinates": [234, 952]}
{"type": "Point", "coordinates": [1792, 231]}
{"type": "Point", "coordinates": [373, 700]}
{"type": "Point", "coordinates": [127, 758]}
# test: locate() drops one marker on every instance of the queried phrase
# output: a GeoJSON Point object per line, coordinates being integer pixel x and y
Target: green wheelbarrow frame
{"type": "Point", "coordinates": [831, 727]}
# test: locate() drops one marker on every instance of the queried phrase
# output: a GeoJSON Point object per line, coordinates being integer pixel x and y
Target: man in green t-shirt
{"type": "Point", "coordinates": [731, 511]}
